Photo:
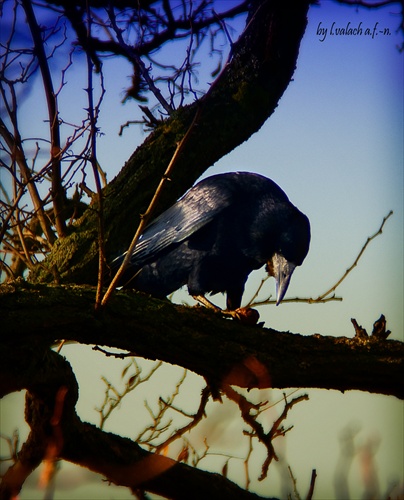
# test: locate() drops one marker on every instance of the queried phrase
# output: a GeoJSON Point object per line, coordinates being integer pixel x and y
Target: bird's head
{"type": "Point", "coordinates": [281, 269]}
{"type": "Point", "coordinates": [293, 247]}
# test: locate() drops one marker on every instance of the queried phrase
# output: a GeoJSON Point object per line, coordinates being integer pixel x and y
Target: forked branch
{"type": "Point", "coordinates": [58, 192]}
{"type": "Point", "coordinates": [250, 412]}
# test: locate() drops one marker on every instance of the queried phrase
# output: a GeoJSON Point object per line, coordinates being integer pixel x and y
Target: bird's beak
{"type": "Point", "coordinates": [282, 270]}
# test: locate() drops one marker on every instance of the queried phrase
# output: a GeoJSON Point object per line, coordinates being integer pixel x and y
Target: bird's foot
{"type": "Point", "coordinates": [245, 315]}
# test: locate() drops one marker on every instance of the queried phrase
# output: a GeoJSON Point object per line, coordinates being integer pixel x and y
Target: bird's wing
{"type": "Point", "coordinates": [196, 209]}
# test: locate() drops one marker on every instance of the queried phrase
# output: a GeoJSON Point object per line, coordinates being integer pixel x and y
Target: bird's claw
{"type": "Point", "coordinates": [245, 315]}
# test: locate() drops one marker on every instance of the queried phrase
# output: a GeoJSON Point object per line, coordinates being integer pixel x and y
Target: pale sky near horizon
{"type": "Point", "coordinates": [335, 145]}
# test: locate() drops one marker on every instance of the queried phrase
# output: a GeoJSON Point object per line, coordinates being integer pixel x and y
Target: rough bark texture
{"type": "Point", "coordinates": [58, 433]}
{"type": "Point", "coordinates": [221, 350]}
{"type": "Point", "coordinates": [244, 95]}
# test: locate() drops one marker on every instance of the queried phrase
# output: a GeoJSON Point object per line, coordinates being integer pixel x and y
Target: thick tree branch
{"type": "Point", "coordinates": [245, 94]}
{"type": "Point", "coordinates": [58, 433]}
{"type": "Point", "coordinates": [222, 351]}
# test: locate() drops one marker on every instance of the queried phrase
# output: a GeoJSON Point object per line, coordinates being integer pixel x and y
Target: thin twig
{"type": "Point", "coordinates": [294, 482]}
{"type": "Point", "coordinates": [325, 296]}
{"type": "Point", "coordinates": [370, 238]}
{"type": "Point", "coordinates": [196, 418]}
{"type": "Point", "coordinates": [111, 402]}
{"type": "Point", "coordinates": [118, 355]}
{"type": "Point", "coordinates": [22, 239]}
{"type": "Point", "coordinates": [14, 143]}
{"type": "Point", "coordinates": [58, 194]}
{"type": "Point", "coordinates": [312, 483]}
{"type": "Point", "coordinates": [92, 114]}
{"type": "Point", "coordinates": [158, 427]}
{"type": "Point", "coordinates": [136, 59]}
{"type": "Point", "coordinates": [306, 300]}
{"type": "Point", "coordinates": [5, 221]}
{"type": "Point", "coordinates": [146, 216]}
{"type": "Point", "coordinates": [246, 462]}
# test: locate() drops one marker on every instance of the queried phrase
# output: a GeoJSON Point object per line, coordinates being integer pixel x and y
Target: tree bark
{"type": "Point", "coordinates": [244, 95]}
{"type": "Point", "coordinates": [58, 433]}
{"type": "Point", "coordinates": [224, 352]}
{"type": "Point", "coordinates": [221, 350]}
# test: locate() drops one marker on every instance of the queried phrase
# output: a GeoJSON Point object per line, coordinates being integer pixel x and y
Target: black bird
{"type": "Point", "coordinates": [215, 235]}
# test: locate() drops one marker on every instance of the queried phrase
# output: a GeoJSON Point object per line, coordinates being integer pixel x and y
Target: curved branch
{"type": "Point", "coordinates": [245, 94]}
{"type": "Point", "coordinates": [55, 426]}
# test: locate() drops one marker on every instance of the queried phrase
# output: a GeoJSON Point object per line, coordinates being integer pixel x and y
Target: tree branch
{"type": "Point", "coordinates": [222, 351]}
{"type": "Point", "coordinates": [326, 296]}
{"type": "Point", "coordinates": [18, 155]}
{"type": "Point", "coordinates": [58, 193]}
{"type": "Point", "coordinates": [245, 94]}
{"type": "Point", "coordinates": [56, 426]}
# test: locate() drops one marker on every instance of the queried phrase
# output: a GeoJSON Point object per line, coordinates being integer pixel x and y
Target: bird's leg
{"type": "Point", "coordinates": [207, 303]}
{"type": "Point", "coordinates": [233, 297]}
{"type": "Point", "coordinates": [247, 316]}
{"type": "Point", "coordinates": [210, 305]}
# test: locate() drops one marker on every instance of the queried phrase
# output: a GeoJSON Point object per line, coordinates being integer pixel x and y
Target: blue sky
{"type": "Point", "coordinates": [335, 145]}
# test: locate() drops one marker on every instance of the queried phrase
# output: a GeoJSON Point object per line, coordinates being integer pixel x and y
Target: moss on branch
{"type": "Point", "coordinates": [221, 350]}
{"type": "Point", "coordinates": [244, 95]}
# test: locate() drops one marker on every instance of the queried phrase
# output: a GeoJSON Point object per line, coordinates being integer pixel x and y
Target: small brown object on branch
{"type": "Point", "coordinates": [246, 315]}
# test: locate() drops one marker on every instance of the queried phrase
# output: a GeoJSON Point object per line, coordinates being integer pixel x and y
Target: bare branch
{"type": "Point", "coordinates": [195, 419]}
{"type": "Point", "coordinates": [158, 427]}
{"type": "Point", "coordinates": [119, 459]}
{"type": "Point", "coordinates": [137, 61]}
{"type": "Point", "coordinates": [113, 397]}
{"type": "Point", "coordinates": [249, 413]}
{"type": "Point", "coordinates": [370, 238]}
{"type": "Point", "coordinates": [58, 193]}
{"type": "Point", "coordinates": [14, 143]}
{"type": "Point", "coordinates": [325, 296]}
{"type": "Point", "coordinates": [146, 216]}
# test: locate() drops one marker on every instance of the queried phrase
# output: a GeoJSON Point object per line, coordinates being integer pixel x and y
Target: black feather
{"type": "Point", "coordinates": [212, 238]}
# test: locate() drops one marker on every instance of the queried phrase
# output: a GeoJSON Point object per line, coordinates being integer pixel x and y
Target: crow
{"type": "Point", "coordinates": [212, 238]}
